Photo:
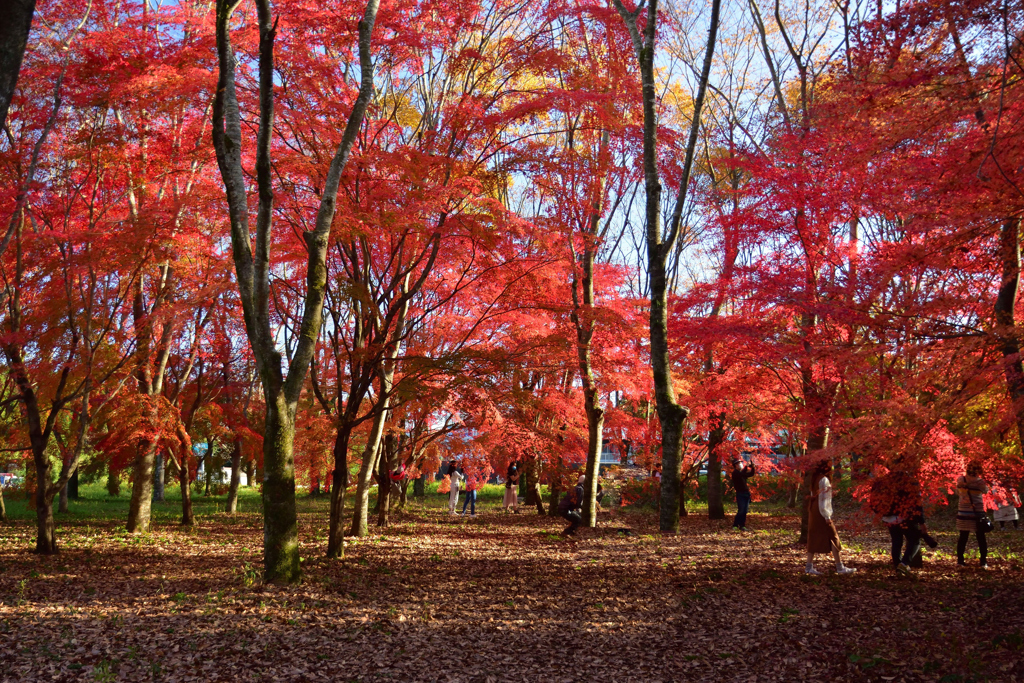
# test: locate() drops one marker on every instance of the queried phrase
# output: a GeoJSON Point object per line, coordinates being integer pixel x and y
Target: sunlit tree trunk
{"type": "Point", "coordinates": [671, 415]}
{"type": "Point", "coordinates": [252, 266]}
{"type": "Point", "coordinates": [231, 507]}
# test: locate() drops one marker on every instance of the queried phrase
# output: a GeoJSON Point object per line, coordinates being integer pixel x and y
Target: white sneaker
{"type": "Point", "coordinates": [845, 570]}
{"type": "Point", "coordinates": [812, 571]}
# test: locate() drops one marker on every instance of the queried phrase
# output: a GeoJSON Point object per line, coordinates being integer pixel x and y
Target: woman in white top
{"type": "Point", "coordinates": [457, 478]}
{"type": "Point", "coordinates": [822, 536]}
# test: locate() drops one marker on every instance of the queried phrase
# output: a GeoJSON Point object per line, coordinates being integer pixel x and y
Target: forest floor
{"type": "Point", "coordinates": [499, 598]}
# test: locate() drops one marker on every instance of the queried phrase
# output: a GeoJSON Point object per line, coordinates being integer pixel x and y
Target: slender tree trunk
{"type": "Point", "coordinates": [419, 487]}
{"type": "Point", "coordinates": [184, 478]}
{"type": "Point", "coordinates": [250, 473]}
{"type": "Point", "coordinates": [73, 486]}
{"type": "Point", "coordinates": [236, 465]}
{"type": "Point", "coordinates": [671, 415]}
{"type": "Point", "coordinates": [595, 427]}
{"type": "Point", "coordinates": [384, 482]}
{"type": "Point", "coordinates": [140, 508]}
{"type": "Point", "coordinates": [252, 265]}
{"type": "Point", "coordinates": [208, 469]}
{"type": "Point", "coordinates": [3, 507]}
{"type": "Point", "coordinates": [403, 493]}
{"type": "Point", "coordinates": [339, 482]}
{"type": "Point", "coordinates": [62, 500]}
{"type": "Point", "coordinates": [371, 454]}
{"type": "Point", "coordinates": [113, 483]}
{"type": "Point", "coordinates": [716, 504]}
{"type": "Point", "coordinates": [555, 494]}
{"type": "Point", "coordinates": [159, 478]}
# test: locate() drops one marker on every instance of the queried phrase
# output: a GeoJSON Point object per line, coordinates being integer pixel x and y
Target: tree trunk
{"type": "Point", "coordinates": [62, 504]}
{"type": "Point", "coordinates": [140, 508]}
{"type": "Point", "coordinates": [716, 504]}
{"type": "Point", "coordinates": [113, 482]}
{"type": "Point", "coordinates": [14, 30]}
{"type": "Point", "coordinates": [339, 482]}
{"type": "Point", "coordinates": [158, 477]}
{"type": "Point", "coordinates": [73, 486]}
{"type": "Point", "coordinates": [250, 473]}
{"type": "Point", "coordinates": [1006, 323]}
{"type": "Point", "coordinates": [794, 491]}
{"type": "Point", "coordinates": [670, 414]}
{"type": "Point", "coordinates": [419, 487]}
{"type": "Point", "coordinates": [555, 494]}
{"type": "Point", "coordinates": [236, 475]}
{"type": "Point", "coordinates": [3, 507]}
{"type": "Point", "coordinates": [208, 468]}
{"type": "Point", "coordinates": [280, 525]}
{"type": "Point", "coordinates": [252, 266]}
{"type": "Point", "coordinates": [595, 426]}
{"type": "Point", "coordinates": [46, 538]}
{"type": "Point", "coordinates": [384, 482]}
{"type": "Point", "coordinates": [371, 454]}
{"type": "Point", "coordinates": [184, 478]}
{"type": "Point", "coordinates": [403, 492]}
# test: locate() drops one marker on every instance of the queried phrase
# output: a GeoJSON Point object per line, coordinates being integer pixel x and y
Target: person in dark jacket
{"type": "Point", "coordinates": [905, 520]}
{"type": "Point", "coordinates": [569, 508]}
{"type": "Point", "coordinates": [741, 471]}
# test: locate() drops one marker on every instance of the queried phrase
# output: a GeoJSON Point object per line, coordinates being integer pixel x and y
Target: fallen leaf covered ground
{"type": "Point", "coordinates": [500, 598]}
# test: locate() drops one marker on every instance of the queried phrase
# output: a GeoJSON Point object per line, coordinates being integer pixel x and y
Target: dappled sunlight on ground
{"type": "Point", "coordinates": [496, 598]}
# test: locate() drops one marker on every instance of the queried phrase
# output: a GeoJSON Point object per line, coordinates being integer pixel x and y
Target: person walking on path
{"type": "Point", "coordinates": [822, 536]}
{"type": "Point", "coordinates": [971, 489]}
{"type": "Point", "coordinates": [741, 471]}
{"type": "Point", "coordinates": [1007, 511]}
{"type": "Point", "coordinates": [511, 489]}
{"type": "Point", "coordinates": [470, 498]}
{"type": "Point", "coordinates": [570, 507]}
{"type": "Point", "coordinates": [455, 477]}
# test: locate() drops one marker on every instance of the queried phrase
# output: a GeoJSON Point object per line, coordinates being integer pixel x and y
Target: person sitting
{"type": "Point", "coordinates": [569, 508]}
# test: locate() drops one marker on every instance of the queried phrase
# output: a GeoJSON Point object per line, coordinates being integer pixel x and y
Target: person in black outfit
{"type": "Point", "coordinates": [905, 519]}
{"type": "Point", "coordinates": [569, 508]}
{"type": "Point", "coordinates": [741, 471]}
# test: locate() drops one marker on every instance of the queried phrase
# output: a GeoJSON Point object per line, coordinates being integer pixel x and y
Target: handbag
{"type": "Point", "coordinates": [984, 524]}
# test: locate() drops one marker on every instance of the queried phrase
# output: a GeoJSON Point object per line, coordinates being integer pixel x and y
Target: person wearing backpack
{"type": "Point", "coordinates": [569, 508]}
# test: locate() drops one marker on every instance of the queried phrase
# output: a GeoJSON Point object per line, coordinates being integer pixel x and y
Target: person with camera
{"type": "Point", "coordinates": [741, 471]}
{"type": "Point", "coordinates": [970, 516]}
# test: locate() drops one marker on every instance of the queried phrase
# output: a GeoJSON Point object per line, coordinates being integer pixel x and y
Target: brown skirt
{"type": "Point", "coordinates": [821, 532]}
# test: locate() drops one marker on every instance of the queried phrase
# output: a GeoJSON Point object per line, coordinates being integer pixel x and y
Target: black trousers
{"type": "Point", "coordinates": [574, 517]}
{"type": "Point", "coordinates": [912, 535]}
{"type": "Point", "coordinates": [961, 545]}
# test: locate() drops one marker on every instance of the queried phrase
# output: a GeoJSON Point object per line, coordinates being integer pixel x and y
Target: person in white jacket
{"type": "Point", "coordinates": [456, 477]}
